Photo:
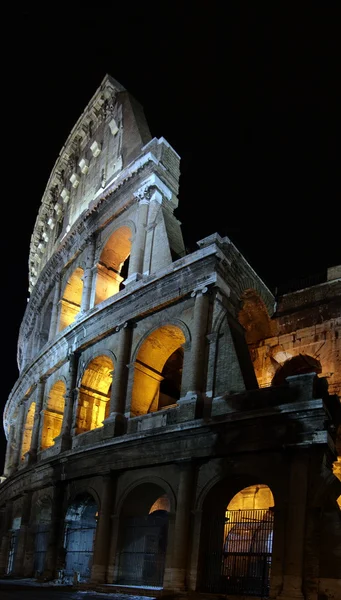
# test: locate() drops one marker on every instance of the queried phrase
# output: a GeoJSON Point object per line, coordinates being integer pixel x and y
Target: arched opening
{"type": "Point", "coordinates": [13, 545]}
{"type": "Point", "coordinates": [254, 317]}
{"type": "Point", "coordinates": [72, 298]}
{"type": "Point", "coordinates": [112, 267]}
{"type": "Point", "coordinates": [53, 415]}
{"type": "Point", "coordinates": [43, 518]}
{"type": "Point", "coordinates": [45, 326]}
{"type": "Point", "coordinates": [94, 394]}
{"type": "Point", "coordinates": [297, 365]}
{"type": "Point", "coordinates": [79, 537]}
{"type": "Point", "coordinates": [158, 371]}
{"type": "Point", "coordinates": [27, 436]}
{"type": "Point", "coordinates": [237, 543]}
{"type": "Point", "coordinates": [143, 536]}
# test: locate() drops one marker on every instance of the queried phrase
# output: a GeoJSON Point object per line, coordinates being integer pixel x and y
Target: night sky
{"type": "Point", "coordinates": [249, 98]}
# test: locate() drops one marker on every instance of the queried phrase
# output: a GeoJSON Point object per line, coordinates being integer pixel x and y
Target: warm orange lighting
{"type": "Point", "coordinates": [53, 415]}
{"type": "Point", "coordinates": [162, 345]}
{"type": "Point", "coordinates": [72, 298]}
{"type": "Point", "coordinates": [94, 394]}
{"type": "Point", "coordinates": [113, 257]}
{"type": "Point", "coordinates": [26, 441]}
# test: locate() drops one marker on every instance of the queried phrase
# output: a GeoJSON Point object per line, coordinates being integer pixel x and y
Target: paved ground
{"type": "Point", "coordinates": [9, 591]}
{"type": "Point", "coordinates": [51, 594]}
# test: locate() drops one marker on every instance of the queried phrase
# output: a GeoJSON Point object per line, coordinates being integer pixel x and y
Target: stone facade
{"type": "Point", "coordinates": [163, 396]}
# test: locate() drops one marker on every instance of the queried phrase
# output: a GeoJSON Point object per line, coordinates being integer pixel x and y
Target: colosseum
{"type": "Point", "coordinates": [174, 426]}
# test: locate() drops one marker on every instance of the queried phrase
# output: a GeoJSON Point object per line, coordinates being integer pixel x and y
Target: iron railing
{"type": "Point", "coordinates": [238, 559]}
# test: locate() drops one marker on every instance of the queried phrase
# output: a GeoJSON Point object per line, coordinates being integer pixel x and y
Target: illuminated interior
{"type": "Point", "coordinates": [113, 264]}
{"type": "Point", "coordinates": [161, 503]}
{"type": "Point", "coordinates": [53, 415]}
{"type": "Point", "coordinates": [253, 497]}
{"type": "Point", "coordinates": [94, 394]}
{"type": "Point", "coordinates": [26, 441]}
{"type": "Point", "coordinates": [72, 298]}
{"type": "Point", "coordinates": [248, 532]}
{"type": "Point", "coordinates": [158, 371]}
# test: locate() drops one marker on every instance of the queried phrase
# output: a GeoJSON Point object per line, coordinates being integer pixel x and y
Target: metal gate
{"type": "Point", "coordinates": [13, 543]}
{"type": "Point", "coordinates": [142, 558]}
{"type": "Point", "coordinates": [79, 542]}
{"type": "Point", "coordinates": [239, 561]}
{"type": "Point", "coordinates": [40, 547]}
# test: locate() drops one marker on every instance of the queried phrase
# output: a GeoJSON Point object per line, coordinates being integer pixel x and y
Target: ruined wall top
{"type": "Point", "coordinates": [106, 138]}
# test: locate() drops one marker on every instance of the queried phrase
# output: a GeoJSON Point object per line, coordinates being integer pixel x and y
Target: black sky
{"type": "Point", "coordinates": [248, 95]}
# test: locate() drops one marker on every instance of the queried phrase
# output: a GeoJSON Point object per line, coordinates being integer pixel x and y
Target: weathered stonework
{"type": "Point", "coordinates": [158, 389]}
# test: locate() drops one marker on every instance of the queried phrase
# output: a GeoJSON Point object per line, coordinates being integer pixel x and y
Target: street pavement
{"type": "Point", "coordinates": [50, 593]}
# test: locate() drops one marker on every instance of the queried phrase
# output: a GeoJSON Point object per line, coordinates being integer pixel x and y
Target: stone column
{"type": "Point", "coordinates": [113, 550]}
{"type": "Point", "coordinates": [295, 528]}
{"type": "Point", "coordinates": [212, 339]}
{"type": "Point", "coordinates": [103, 532]}
{"type": "Point", "coordinates": [55, 310]}
{"type": "Point", "coordinates": [23, 535]}
{"type": "Point", "coordinates": [117, 420]}
{"type": "Point", "coordinates": [195, 367]}
{"type": "Point", "coordinates": [5, 537]}
{"type": "Point", "coordinates": [19, 435]}
{"type": "Point", "coordinates": [70, 398]}
{"type": "Point", "coordinates": [55, 555]}
{"type": "Point", "coordinates": [130, 384]}
{"type": "Point", "coordinates": [138, 243]}
{"type": "Point", "coordinates": [193, 575]}
{"type": "Point", "coordinates": [176, 575]}
{"type": "Point", "coordinates": [190, 403]}
{"type": "Point", "coordinates": [10, 449]}
{"type": "Point", "coordinates": [36, 425]}
{"type": "Point", "coordinates": [88, 276]}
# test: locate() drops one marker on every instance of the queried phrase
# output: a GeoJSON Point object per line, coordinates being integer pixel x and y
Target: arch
{"type": "Point", "coordinates": [236, 539]}
{"type": "Point", "coordinates": [79, 535]}
{"type": "Point", "coordinates": [94, 393]}
{"type": "Point", "coordinates": [297, 365]}
{"type": "Point", "coordinates": [71, 299]}
{"type": "Point", "coordinates": [158, 369]}
{"type": "Point", "coordinates": [245, 284]}
{"type": "Point", "coordinates": [53, 414]}
{"type": "Point", "coordinates": [254, 317]}
{"type": "Point", "coordinates": [158, 481]}
{"type": "Point", "coordinates": [113, 263]}
{"type": "Point", "coordinates": [143, 532]}
{"type": "Point", "coordinates": [27, 435]}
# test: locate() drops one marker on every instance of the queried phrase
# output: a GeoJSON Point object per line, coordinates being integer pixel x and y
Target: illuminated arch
{"type": "Point", "coordinates": [236, 539]}
{"type": "Point", "coordinates": [158, 370]}
{"type": "Point", "coordinates": [94, 394]}
{"type": "Point", "coordinates": [53, 414]}
{"type": "Point", "coordinates": [113, 263]}
{"type": "Point", "coordinates": [72, 298]}
{"type": "Point", "coordinates": [27, 436]}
